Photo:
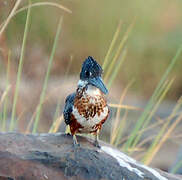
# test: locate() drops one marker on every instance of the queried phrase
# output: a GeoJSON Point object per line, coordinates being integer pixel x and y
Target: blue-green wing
{"type": "Point", "coordinates": [68, 108]}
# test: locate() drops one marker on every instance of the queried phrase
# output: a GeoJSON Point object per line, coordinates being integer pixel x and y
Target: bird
{"type": "Point", "coordinates": [86, 109]}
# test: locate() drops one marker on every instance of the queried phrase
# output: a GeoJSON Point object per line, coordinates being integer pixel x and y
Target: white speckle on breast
{"type": "Point", "coordinates": [95, 97]}
{"type": "Point", "coordinates": [91, 121]}
{"type": "Point", "coordinates": [93, 91]}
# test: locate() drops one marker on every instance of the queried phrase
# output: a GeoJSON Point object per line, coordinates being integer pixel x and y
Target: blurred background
{"type": "Point", "coordinates": [88, 31]}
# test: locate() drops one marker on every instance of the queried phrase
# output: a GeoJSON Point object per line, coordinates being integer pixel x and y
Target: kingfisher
{"type": "Point", "coordinates": [86, 110]}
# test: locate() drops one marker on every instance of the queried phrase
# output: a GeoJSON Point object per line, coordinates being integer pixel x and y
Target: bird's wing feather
{"type": "Point", "coordinates": [68, 108]}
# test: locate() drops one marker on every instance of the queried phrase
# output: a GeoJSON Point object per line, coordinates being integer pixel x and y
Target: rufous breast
{"type": "Point", "coordinates": [90, 109]}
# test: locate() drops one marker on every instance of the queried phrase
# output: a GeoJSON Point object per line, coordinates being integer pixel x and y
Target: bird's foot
{"type": "Point", "coordinates": [75, 142]}
{"type": "Point", "coordinates": [76, 145]}
{"type": "Point", "coordinates": [68, 134]}
{"type": "Point", "coordinates": [96, 144]}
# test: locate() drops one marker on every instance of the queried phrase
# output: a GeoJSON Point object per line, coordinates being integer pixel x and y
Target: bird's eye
{"type": "Point", "coordinates": [87, 73]}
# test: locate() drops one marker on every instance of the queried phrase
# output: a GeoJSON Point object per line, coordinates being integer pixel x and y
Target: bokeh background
{"type": "Point", "coordinates": [87, 31]}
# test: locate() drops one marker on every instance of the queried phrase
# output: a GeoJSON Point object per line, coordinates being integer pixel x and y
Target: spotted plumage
{"type": "Point", "coordinates": [86, 110]}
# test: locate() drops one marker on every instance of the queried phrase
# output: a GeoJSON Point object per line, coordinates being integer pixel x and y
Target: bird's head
{"type": "Point", "coordinates": [91, 75]}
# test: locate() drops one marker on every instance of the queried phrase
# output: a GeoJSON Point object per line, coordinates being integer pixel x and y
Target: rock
{"type": "Point", "coordinates": [53, 156]}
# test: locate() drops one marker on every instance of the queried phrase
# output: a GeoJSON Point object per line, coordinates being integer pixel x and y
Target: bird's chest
{"type": "Point", "coordinates": [90, 111]}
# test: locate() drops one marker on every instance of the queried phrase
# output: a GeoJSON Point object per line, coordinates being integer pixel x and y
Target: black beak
{"type": "Point", "coordinates": [97, 82]}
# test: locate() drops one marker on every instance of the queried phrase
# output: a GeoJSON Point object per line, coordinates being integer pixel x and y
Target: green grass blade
{"type": "Point", "coordinates": [161, 95]}
{"type": "Point", "coordinates": [121, 128]}
{"type": "Point", "coordinates": [56, 114]}
{"type": "Point", "coordinates": [161, 132]}
{"type": "Point", "coordinates": [151, 101]}
{"type": "Point", "coordinates": [170, 67]}
{"type": "Point", "coordinates": [14, 11]}
{"type": "Point", "coordinates": [115, 37]}
{"type": "Point", "coordinates": [119, 125]}
{"type": "Point", "coordinates": [116, 70]}
{"type": "Point", "coordinates": [118, 52]}
{"type": "Point", "coordinates": [176, 167]}
{"type": "Point", "coordinates": [3, 27]}
{"type": "Point", "coordinates": [150, 113]}
{"type": "Point", "coordinates": [164, 138]}
{"type": "Point", "coordinates": [20, 70]}
{"type": "Point", "coordinates": [42, 96]}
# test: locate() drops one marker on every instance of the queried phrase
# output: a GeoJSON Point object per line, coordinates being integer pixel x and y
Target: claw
{"type": "Point", "coordinates": [75, 142]}
{"type": "Point", "coordinates": [96, 142]}
{"type": "Point", "coordinates": [68, 134]}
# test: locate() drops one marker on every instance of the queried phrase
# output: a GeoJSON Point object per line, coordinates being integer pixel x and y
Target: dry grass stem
{"type": "Point", "coordinates": [10, 16]}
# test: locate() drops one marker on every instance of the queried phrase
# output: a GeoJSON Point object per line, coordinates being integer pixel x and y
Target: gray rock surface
{"type": "Point", "coordinates": [53, 156]}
